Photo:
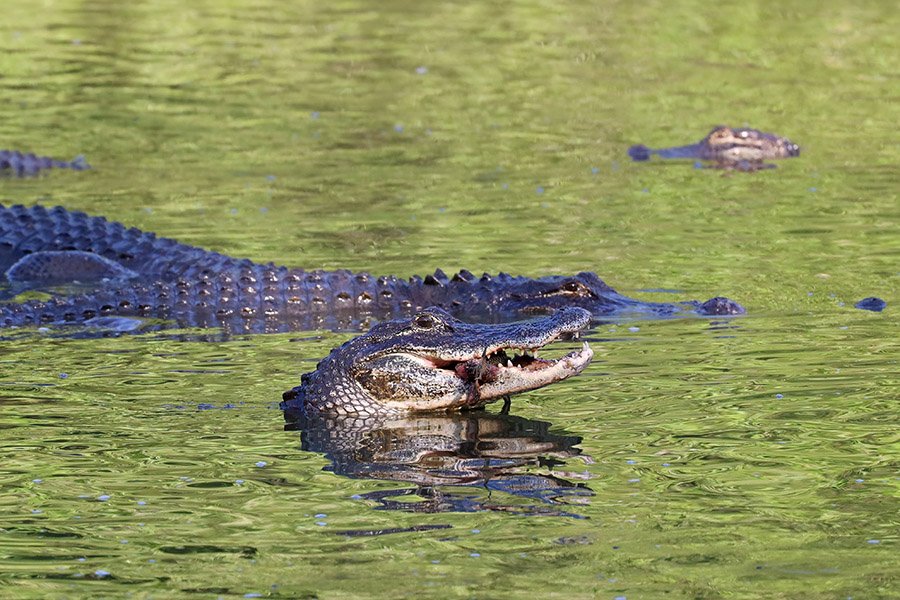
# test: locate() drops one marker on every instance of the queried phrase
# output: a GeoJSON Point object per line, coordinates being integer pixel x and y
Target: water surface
{"type": "Point", "coordinates": [755, 457]}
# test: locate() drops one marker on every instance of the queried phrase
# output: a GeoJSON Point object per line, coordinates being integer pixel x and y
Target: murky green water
{"type": "Point", "coordinates": [755, 459]}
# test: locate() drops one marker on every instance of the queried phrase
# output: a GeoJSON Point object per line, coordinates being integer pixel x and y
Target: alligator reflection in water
{"type": "Point", "coordinates": [483, 452]}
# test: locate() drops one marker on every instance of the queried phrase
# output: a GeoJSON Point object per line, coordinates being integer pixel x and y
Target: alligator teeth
{"type": "Point", "coordinates": [509, 363]}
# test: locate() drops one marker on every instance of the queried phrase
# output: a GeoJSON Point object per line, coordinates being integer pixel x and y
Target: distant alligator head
{"type": "Point", "coordinates": [738, 148]}
{"type": "Point", "coordinates": [434, 362]}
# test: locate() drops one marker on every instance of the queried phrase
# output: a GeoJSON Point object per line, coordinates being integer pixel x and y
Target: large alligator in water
{"type": "Point", "coordinates": [26, 165]}
{"type": "Point", "coordinates": [424, 359]}
{"type": "Point", "coordinates": [739, 149]}
{"type": "Point", "coordinates": [122, 272]}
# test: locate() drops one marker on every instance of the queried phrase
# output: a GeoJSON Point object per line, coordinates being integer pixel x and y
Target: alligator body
{"type": "Point", "coordinates": [124, 272]}
{"type": "Point", "coordinates": [740, 149]}
{"type": "Point", "coordinates": [25, 165]}
{"type": "Point", "coordinates": [433, 362]}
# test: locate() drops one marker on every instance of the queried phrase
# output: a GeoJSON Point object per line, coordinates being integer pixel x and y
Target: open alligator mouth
{"type": "Point", "coordinates": [485, 368]}
{"type": "Point", "coordinates": [500, 371]}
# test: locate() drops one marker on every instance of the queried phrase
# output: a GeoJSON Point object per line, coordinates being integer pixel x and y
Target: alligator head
{"type": "Point", "coordinates": [738, 148]}
{"type": "Point", "coordinates": [586, 290]}
{"type": "Point", "coordinates": [434, 362]}
{"type": "Point", "coordinates": [743, 143]}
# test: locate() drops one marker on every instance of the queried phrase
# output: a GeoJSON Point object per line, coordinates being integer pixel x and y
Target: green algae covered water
{"type": "Point", "coordinates": [756, 457]}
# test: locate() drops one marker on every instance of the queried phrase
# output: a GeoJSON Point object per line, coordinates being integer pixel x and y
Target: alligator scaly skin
{"type": "Point", "coordinates": [191, 287]}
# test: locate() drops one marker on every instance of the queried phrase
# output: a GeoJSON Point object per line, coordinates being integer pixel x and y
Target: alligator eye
{"type": "Point", "coordinates": [573, 288]}
{"type": "Point", "coordinates": [424, 321]}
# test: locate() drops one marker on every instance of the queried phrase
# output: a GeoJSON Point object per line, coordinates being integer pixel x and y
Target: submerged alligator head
{"type": "Point", "coordinates": [521, 296]}
{"type": "Point", "coordinates": [738, 148]}
{"type": "Point", "coordinates": [433, 362]}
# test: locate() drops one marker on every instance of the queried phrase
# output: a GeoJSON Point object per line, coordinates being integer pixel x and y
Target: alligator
{"type": "Point", "coordinates": [433, 362]}
{"type": "Point", "coordinates": [457, 462]}
{"type": "Point", "coordinates": [739, 149]}
{"type": "Point", "coordinates": [114, 271]}
{"type": "Point", "coordinates": [421, 359]}
{"type": "Point", "coordinates": [27, 165]}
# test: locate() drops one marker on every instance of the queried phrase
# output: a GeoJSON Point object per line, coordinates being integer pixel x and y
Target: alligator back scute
{"type": "Point", "coordinates": [34, 229]}
{"type": "Point", "coordinates": [53, 267]}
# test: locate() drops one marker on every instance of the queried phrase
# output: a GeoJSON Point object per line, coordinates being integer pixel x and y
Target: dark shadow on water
{"type": "Point", "coordinates": [468, 462]}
